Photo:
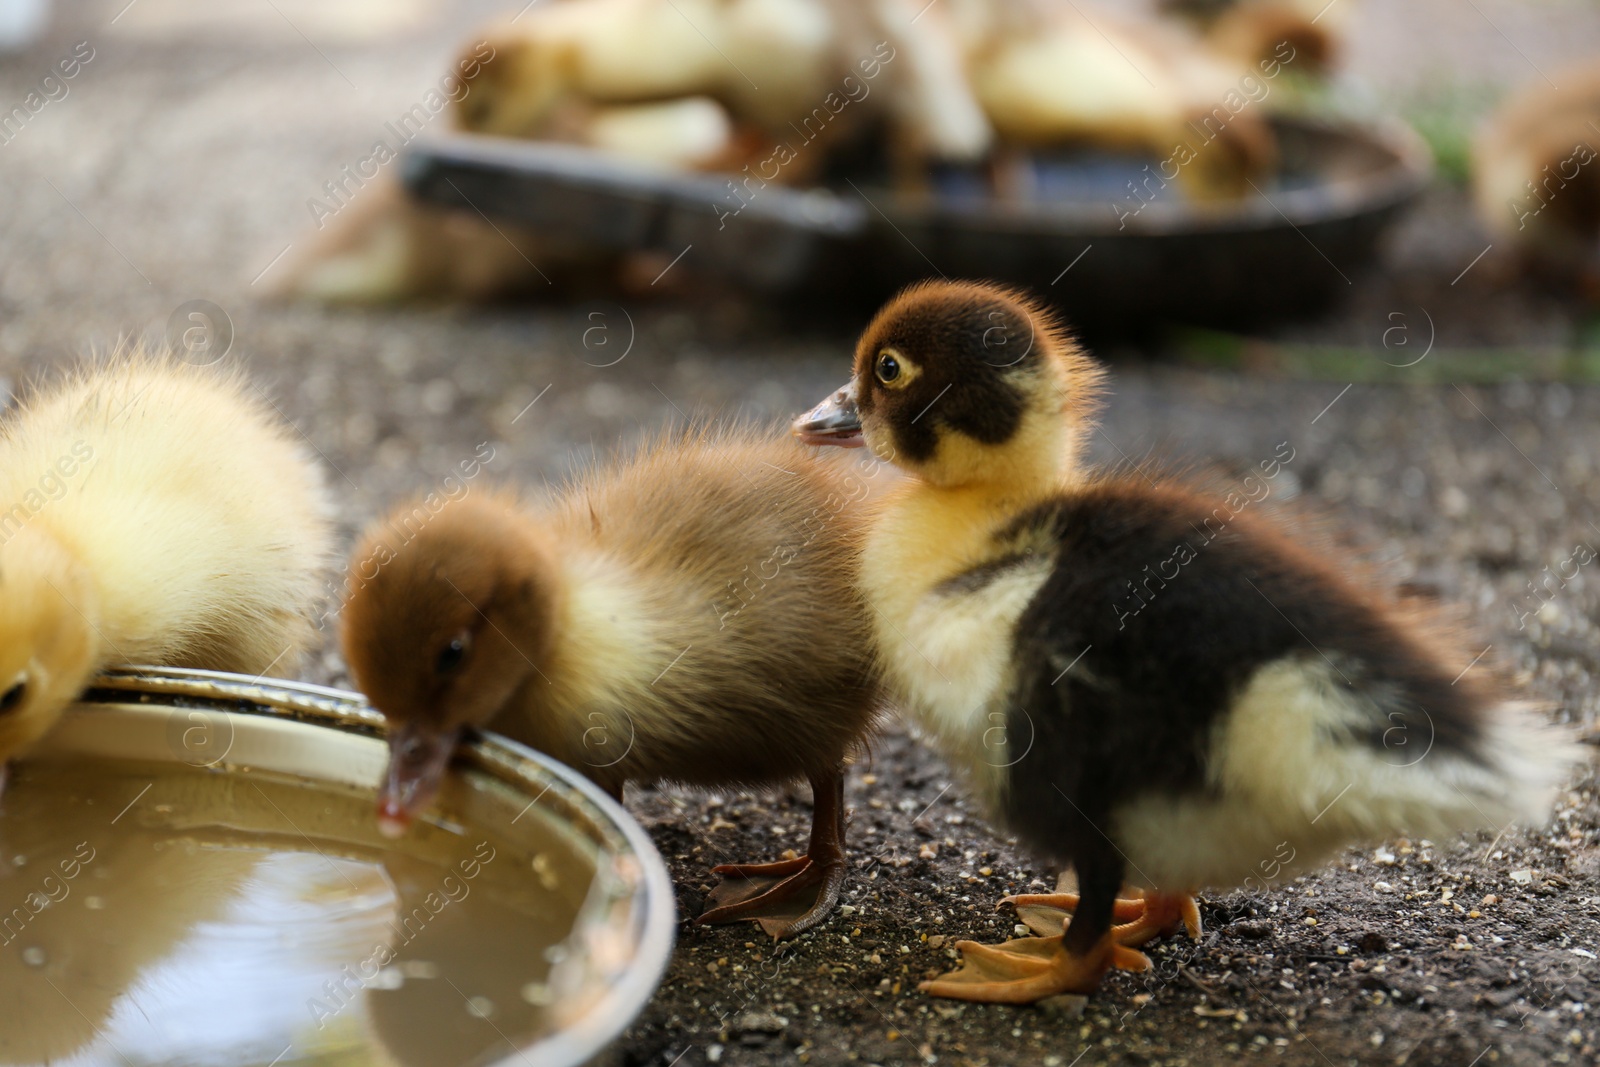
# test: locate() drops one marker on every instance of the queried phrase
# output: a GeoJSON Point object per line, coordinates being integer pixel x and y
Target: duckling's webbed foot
{"type": "Point", "coordinates": [1032, 968]}
{"type": "Point", "coordinates": [1047, 914]}
{"type": "Point", "coordinates": [789, 897]}
{"type": "Point", "coordinates": [1164, 914]}
{"type": "Point", "coordinates": [1141, 919]}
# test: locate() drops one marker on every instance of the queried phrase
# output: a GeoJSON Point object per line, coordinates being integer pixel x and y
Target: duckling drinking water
{"type": "Point", "coordinates": [689, 614]}
{"type": "Point", "coordinates": [152, 512]}
{"type": "Point", "coordinates": [1254, 698]}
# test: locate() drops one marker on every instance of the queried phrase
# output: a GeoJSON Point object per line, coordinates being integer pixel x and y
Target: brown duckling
{"type": "Point", "coordinates": [1536, 179]}
{"type": "Point", "coordinates": [1256, 698]}
{"type": "Point", "coordinates": [689, 614]}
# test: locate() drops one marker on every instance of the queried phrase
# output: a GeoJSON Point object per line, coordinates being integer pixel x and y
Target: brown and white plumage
{"type": "Point", "coordinates": [688, 614]}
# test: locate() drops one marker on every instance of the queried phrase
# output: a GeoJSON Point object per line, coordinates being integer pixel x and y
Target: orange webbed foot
{"type": "Point", "coordinates": [1164, 914]}
{"type": "Point", "coordinates": [1031, 968]}
{"type": "Point", "coordinates": [1047, 914]}
{"type": "Point", "coordinates": [1141, 918]}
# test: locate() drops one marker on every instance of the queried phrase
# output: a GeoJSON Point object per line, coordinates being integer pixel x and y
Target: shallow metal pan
{"type": "Point", "coordinates": [205, 907]}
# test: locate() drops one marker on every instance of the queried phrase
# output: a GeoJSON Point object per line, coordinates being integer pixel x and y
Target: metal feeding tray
{"type": "Point", "coordinates": [193, 875]}
{"type": "Point", "coordinates": [1079, 236]}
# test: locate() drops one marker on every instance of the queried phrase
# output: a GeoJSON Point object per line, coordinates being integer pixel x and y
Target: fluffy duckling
{"type": "Point", "coordinates": [689, 614]}
{"type": "Point", "coordinates": [775, 65]}
{"type": "Point", "coordinates": [1049, 76]}
{"type": "Point", "coordinates": [1253, 29]}
{"type": "Point", "coordinates": [1256, 697]}
{"type": "Point", "coordinates": [627, 51]}
{"type": "Point", "coordinates": [1536, 180]}
{"type": "Point", "coordinates": [384, 245]}
{"type": "Point", "coordinates": [155, 512]}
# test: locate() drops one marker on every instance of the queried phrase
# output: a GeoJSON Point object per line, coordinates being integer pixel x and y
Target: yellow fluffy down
{"type": "Point", "coordinates": [151, 511]}
{"type": "Point", "coordinates": [1289, 782]}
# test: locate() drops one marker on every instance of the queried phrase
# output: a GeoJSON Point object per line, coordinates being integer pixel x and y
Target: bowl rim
{"type": "Point", "coordinates": [502, 758]}
{"type": "Point", "coordinates": [1403, 170]}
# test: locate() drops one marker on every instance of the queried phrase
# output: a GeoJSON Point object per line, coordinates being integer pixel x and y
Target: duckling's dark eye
{"type": "Point", "coordinates": [451, 656]}
{"type": "Point", "coordinates": [887, 367]}
{"type": "Point", "coordinates": [11, 699]}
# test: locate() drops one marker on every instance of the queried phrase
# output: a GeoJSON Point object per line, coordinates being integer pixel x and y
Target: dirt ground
{"type": "Point", "coordinates": [179, 165]}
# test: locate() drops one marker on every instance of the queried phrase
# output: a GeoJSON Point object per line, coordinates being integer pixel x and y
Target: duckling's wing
{"type": "Point", "coordinates": [1202, 690]}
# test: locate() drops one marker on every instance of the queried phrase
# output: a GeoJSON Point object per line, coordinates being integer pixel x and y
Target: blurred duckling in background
{"type": "Point", "coordinates": [156, 512]}
{"type": "Point", "coordinates": [660, 84]}
{"type": "Point", "coordinates": [770, 63]}
{"type": "Point", "coordinates": [1253, 29]}
{"type": "Point", "coordinates": [384, 245]}
{"type": "Point", "coordinates": [957, 77]}
{"type": "Point", "coordinates": [1536, 179]}
{"type": "Point", "coordinates": [1051, 77]}
{"type": "Point", "coordinates": [1253, 698]}
{"type": "Point", "coordinates": [689, 614]}
{"type": "Point", "coordinates": [789, 91]}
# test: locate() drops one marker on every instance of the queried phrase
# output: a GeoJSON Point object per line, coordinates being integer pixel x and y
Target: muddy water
{"type": "Point", "coordinates": [161, 915]}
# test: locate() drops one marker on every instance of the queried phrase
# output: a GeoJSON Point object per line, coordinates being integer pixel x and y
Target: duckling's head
{"type": "Point", "coordinates": [450, 606]}
{"type": "Point", "coordinates": [964, 383]}
{"type": "Point", "coordinates": [48, 642]}
{"type": "Point", "coordinates": [513, 82]}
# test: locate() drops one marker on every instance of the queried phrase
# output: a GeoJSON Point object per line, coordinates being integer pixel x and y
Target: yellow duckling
{"type": "Point", "coordinates": [1049, 76]}
{"type": "Point", "coordinates": [776, 65]}
{"type": "Point", "coordinates": [151, 512]}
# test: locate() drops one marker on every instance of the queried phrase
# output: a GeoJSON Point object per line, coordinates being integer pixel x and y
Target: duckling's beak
{"type": "Point", "coordinates": [835, 421]}
{"type": "Point", "coordinates": [418, 758]}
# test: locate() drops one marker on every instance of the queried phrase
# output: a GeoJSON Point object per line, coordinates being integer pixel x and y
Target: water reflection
{"type": "Point", "coordinates": [215, 923]}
